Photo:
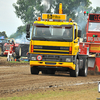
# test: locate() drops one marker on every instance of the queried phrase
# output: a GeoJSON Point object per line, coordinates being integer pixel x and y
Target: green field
{"type": "Point", "coordinates": [18, 62]}
{"type": "Point", "coordinates": [91, 94]}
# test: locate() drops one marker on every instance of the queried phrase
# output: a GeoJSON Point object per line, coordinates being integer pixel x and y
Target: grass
{"type": "Point", "coordinates": [5, 58]}
{"type": "Point", "coordinates": [89, 94]}
{"type": "Point", "coordinates": [18, 62]}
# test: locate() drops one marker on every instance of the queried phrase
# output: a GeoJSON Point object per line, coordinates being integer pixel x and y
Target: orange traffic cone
{"type": "Point", "coordinates": [15, 59]}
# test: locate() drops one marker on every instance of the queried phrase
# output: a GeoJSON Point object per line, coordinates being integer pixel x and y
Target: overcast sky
{"type": "Point", "coordinates": [8, 19]}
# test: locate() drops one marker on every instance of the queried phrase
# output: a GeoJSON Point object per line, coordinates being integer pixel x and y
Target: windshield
{"type": "Point", "coordinates": [94, 26]}
{"type": "Point", "coordinates": [53, 33]}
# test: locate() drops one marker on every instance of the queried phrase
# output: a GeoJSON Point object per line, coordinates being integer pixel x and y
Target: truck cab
{"type": "Point", "coordinates": [54, 45]}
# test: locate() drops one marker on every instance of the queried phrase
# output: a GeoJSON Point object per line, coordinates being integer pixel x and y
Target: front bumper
{"type": "Point", "coordinates": [69, 65]}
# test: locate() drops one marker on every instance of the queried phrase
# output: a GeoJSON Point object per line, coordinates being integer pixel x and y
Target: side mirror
{"type": "Point", "coordinates": [28, 31]}
{"type": "Point", "coordinates": [79, 33]}
{"type": "Point", "coordinates": [28, 35]}
{"type": "Point", "coordinates": [28, 28]}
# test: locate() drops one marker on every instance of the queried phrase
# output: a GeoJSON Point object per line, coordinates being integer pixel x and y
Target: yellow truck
{"type": "Point", "coordinates": [54, 45]}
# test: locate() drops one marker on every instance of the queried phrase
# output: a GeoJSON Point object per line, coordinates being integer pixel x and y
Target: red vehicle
{"type": "Point", "coordinates": [91, 43]}
{"type": "Point", "coordinates": [12, 48]}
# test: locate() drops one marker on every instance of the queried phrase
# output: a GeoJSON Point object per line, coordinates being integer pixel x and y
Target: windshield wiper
{"type": "Point", "coordinates": [67, 40]}
{"type": "Point", "coordinates": [39, 38]}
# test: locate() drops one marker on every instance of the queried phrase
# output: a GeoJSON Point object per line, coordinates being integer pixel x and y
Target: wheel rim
{"type": "Point", "coordinates": [20, 52]}
{"type": "Point", "coordinates": [77, 69]}
{"type": "Point", "coordinates": [0, 50]}
{"type": "Point", "coordinates": [86, 67]}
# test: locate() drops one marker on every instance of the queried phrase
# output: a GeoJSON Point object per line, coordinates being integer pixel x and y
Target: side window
{"type": "Point", "coordinates": [74, 32]}
{"type": "Point", "coordinates": [34, 31]}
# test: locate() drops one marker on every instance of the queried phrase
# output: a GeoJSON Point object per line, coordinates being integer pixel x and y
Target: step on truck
{"type": "Point", "coordinates": [54, 45]}
{"type": "Point", "coordinates": [91, 42]}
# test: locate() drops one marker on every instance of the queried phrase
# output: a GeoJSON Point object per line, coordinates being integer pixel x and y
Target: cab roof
{"type": "Point", "coordinates": [55, 23]}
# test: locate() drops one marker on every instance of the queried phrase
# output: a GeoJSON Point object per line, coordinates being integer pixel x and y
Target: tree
{"type": "Point", "coordinates": [20, 31]}
{"type": "Point", "coordinates": [3, 34]}
{"type": "Point", "coordinates": [74, 9]}
{"type": "Point", "coordinates": [28, 10]}
{"type": "Point", "coordinates": [69, 6]}
{"type": "Point", "coordinates": [97, 10]}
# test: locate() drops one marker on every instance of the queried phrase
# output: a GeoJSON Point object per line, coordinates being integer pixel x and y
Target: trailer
{"type": "Point", "coordinates": [91, 43]}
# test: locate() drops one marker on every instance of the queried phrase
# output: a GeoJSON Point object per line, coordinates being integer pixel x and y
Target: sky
{"type": "Point", "coordinates": [8, 19]}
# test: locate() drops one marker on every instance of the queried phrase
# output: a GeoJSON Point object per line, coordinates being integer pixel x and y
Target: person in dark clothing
{"type": "Point", "coordinates": [66, 34]}
{"type": "Point", "coordinates": [44, 32]}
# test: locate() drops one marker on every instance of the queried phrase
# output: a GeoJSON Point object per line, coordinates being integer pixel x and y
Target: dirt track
{"type": "Point", "coordinates": [17, 80]}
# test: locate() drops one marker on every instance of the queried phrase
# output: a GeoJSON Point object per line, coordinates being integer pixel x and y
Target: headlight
{"type": "Point", "coordinates": [68, 59]}
{"type": "Point", "coordinates": [33, 58]}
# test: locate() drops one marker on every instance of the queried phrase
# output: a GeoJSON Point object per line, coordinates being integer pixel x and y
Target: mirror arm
{"type": "Point", "coordinates": [28, 39]}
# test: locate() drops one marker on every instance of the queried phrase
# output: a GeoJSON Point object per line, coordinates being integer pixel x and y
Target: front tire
{"type": "Point", "coordinates": [34, 70]}
{"type": "Point", "coordinates": [74, 73]}
{"type": "Point", "coordinates": [96, 71]}
{"type": "Point", "coordinates": [83, 72]}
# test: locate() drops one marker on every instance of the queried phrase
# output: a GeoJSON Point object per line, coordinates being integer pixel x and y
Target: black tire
{"type": "Point", "coordinates": [44, 72]}
{"type": "Point", "coordinates": [74, 73]}
{"type": "Point", "coordinates": [49, 71]}
{"type": "Point", "coordinates": [0, 51]}
{"type": "Point", "coordinates": [34, 70]}
{"type": "Point", "coordinates": [84, 72]}
{"type": "Point", "coordinates": [52, 72]}
{"type": "Point", "coordinates": [18, 51]}
{"type": "Point", "coordinates": [4, 48]}
{"type": "Point", "coordinates": [84, 38]}
{"type": "Point", "coordinates": [96, 71]}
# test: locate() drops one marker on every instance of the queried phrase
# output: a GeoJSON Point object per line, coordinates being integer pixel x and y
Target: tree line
{"type": "Point", "coordinates": [29, 10]}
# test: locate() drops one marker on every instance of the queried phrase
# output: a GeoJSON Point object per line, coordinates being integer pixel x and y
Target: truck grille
{"type": "Point", "coordinates": [51, 49]}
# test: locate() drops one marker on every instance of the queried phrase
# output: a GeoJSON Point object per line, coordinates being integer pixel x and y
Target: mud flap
{"type": "Point", "coordinates": [91, 62]}
{"type": "Point", "coordinates": [93, 65]}
{"type": "Point", "coordinates": [98, 64]}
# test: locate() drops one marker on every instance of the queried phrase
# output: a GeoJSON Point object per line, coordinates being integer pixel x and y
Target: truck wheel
{"type": "Point", "coordinates": [48, 72]}
{"type": "Point", "coordinates": [18, 51]}
{"type": "Point", "coordinates": [0, 51]}
{"type": "Point", "coordinates": [83, 72]}
{"type": "Point", "coordinates": [74, 73]}
{"type": "Point", "coordinates": [4, 48]}
{"type": "Point", "coordinates": [96, 71]}
{"type": "Point", "coordinates": [52, 72]}
{"type": "Point", "coordinates": [34, 70]}
{"type": "Point", "coordinates": [44, 72]}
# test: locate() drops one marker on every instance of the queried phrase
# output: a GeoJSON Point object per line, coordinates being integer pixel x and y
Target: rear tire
{"type": "Point", "coordinates": [0, 51]}
{"type": "Point", "coordinates": [83, 72]}
{"type": "Point", "coordinates": [74, 73]}
{"type": "Point", "coordinates": [4, 48]}
{"type": "Point", "coordinates": [44, 72]}
{"type": "Point", "coordinates": [18, 51]}
{"type": "Point", "coordinates": [96, 71]}
{"type": "Point", "coordinates": [34, 70]}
